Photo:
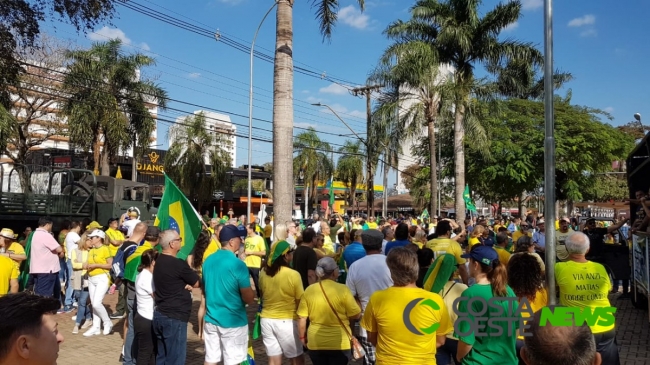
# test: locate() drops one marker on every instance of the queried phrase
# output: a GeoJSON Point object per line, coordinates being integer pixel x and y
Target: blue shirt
{"type": "Point", "coordinates": [396, 243]}
{"type": "Point", "coordinates": [352, 253]}
{"type": "Point", "coordinates": [223, 277]}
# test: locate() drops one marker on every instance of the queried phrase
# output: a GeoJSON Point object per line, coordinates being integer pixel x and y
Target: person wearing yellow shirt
{"type": "Point", "coordinates": [328, 245]}
{"type": "Point", "coordinates": [585, 284]}
{"type": "Point", "coordinates": [500, 248]}
{"type": "Point", "coordinates": [78, 259]}
{"type": "Point", "coordinates": [8, 276]}
{"type": "Point", "coordinates": [114, 237]}
{"type": "Point", "coordinates": [476, 235]}
{"type": "Point", "coordinates": [444, 244]}
{"type": "Point", "coordinates": [328, 336]}
{"type": "Point", "coordinates": [10, 248]}
{"type": "Point", "coordinates": [281, 288]}
{"type": "Point", "coordinates": [254, 250]}
{"type": "Point", "coordinates": [520, 232]}
{"type": "Point", "coordinates": [98, 266]}
{"type": "Point", "coordinates": [372, 223]}
{"type": "Point", "coordinates": [526, 279]}
{"type": "Point", "coordinates": [268, 233]}
{"type": "Point", "coordinates": [411, 338]}
{"type": "Point", "coordinates": [560, 239]}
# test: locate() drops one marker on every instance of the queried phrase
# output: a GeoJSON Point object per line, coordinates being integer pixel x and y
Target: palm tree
{"type": "Point", "coordinates": [520, 79]}
{"type": "Point", "coordinates": [421, 90]}
{"type": "Point", "coordinates": [456, 32]}
{"type": "Point", "coordinates": [192, 145]}
{"type": "Point", "coordinates": [313, 158]}
{"type": "Point", "coordinates": [326, 14]}
{"type": "Point", "coordinates": [108, 101]}
{"type": "Point", "coordinates": [349, 168]}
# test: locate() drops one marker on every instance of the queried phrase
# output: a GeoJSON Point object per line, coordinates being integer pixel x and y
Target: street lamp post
{"type": "Point", "coordinates": [250, 118]}
{"type": "Point", "coordinates": [637, 116]}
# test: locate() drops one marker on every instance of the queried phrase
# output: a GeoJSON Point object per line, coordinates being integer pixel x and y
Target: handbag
{"type": "Point", "coordinates": [357, 350]}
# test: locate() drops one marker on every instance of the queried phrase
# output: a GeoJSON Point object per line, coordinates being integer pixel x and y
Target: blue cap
{"type": "Point", "coordinates": [483, 254]}
{"type": "Point", "coordinates": [228, 232]}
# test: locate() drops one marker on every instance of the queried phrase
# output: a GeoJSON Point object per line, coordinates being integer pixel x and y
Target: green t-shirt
{"type": "Point", "coordinates": [487, 350]}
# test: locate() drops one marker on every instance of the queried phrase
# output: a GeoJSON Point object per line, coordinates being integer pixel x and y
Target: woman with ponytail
{"type": "Point", "coordinates": [143, 320]}
{"type": "Point", "coordinates": [281, 289]}
{"type": "Point", "coordinates": [495, 345]}
{"type": "Point", "coordinates": [326, 339]}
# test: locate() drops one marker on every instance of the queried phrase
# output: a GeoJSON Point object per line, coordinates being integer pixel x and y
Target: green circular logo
{"type": "Point", "coordinates": [407, 316]}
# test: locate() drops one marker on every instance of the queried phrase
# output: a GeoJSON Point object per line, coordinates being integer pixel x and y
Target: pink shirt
{"type": "Point", "coordinates": [43, 259]}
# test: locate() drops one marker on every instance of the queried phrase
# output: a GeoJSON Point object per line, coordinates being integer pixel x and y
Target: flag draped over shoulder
{"type": "Point", "coordinates": [23, 279]}
{"type": "Point", "coordinates": [469, 204]}
{"type": "Point", "coordinates": [133, 260]}
{"type": "Point", "coordinates": [439, 273]}
{"type": "Point", "coordinates": [177, 213]}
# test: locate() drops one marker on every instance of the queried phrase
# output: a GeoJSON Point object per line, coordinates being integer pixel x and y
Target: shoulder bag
{"type": "Point", "coordinates": [357, 350]}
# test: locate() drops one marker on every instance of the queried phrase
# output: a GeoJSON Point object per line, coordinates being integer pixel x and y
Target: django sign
{"type": "Point", "coordinates": [152, 163]}
{"type": "Point", "coordinates": [476, 320]}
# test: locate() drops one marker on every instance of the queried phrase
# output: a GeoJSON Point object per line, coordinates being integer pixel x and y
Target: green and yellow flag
{"type": "Point", "coordinates": [133, 261]}
{"type": "Point", "coordinates": [177, 213]}
{"type": "Point", "coordinates": [23, 279]}
{"type": "Point", "coordinates": [469, 204]}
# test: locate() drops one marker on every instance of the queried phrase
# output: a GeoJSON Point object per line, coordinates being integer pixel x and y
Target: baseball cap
{"type": "Point", "coordinates": [482, 254]}
{"type": "Point", "coordinates": [372, 237]}
{"type": "Point", "coordinates": [97, 233]}
{"type": "Point", "coordinates": [565, 219]}
{"type": "Point", "coordinates": [152, 232]}
{"type": "Point", "coordinates": [541, 221]}
{"type": "Point", "coordinates": [228, 232]}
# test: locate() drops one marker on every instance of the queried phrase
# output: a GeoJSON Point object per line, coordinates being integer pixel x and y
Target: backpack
{"type": "Point", "coordinates": [119, 260]}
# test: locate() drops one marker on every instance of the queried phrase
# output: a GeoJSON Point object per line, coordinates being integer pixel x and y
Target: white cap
{"type": "Point", "coordinates": [97, 233]}
{"type": "Point", "coordinates": [541, 221]}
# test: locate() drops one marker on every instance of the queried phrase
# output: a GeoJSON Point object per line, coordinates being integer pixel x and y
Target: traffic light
{"type": "Point", "coordinates": [560, 180]}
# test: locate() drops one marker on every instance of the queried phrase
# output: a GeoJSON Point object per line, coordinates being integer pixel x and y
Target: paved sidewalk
{"type": "Point", "coordinates": [633, 337]}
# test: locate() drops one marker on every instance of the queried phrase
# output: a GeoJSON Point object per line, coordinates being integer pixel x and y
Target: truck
{"type": "Point", "coordinates": [67, 194]}
{"type": "Point", "coordinates": [638, 178]}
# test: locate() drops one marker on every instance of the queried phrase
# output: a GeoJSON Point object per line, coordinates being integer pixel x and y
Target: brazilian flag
{"type": "Point", "coordinates": [250, 357]}
{"type": "Point", "coordinates": [177, 213]}
{"type": "Point", "coordinates": [23, 279]}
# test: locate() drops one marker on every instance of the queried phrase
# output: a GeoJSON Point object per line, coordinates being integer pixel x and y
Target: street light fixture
{"type": "Point", "coordinates": [250, 118]}
{"type": "Point", "coordinates": [637, 116]}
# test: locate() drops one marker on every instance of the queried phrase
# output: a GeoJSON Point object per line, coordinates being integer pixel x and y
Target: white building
{"type": "Point", "coordinates": [38, 99]}
{"type": "Point", "coordinates": [406, 158]}
{"type": "Point", "coordinates": [221, 124]}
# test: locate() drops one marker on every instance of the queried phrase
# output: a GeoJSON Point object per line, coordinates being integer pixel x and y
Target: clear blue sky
{"type": "Point", "coordinates": [603, 44]}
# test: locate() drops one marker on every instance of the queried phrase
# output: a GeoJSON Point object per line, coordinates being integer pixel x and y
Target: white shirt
{"type": "Point", "coordinates": [383, 246]}
{"type": "Point", "coordinates": [316, 226]}
{"type": "Point", "coordinates": [130, 226]}
{"type": "Point", "coordinates": [71, 243]}
{"type": "Point", "coordinates": [144, 294]}
{"type": "Point", "coordinates": [369, 275]}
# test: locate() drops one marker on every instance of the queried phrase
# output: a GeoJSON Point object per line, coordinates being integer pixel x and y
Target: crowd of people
{"type": "Point", "coordinates": [384, 291]}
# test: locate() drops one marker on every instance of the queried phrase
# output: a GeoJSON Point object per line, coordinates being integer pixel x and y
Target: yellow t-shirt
{"type": "Point", "coordinates": [372, 225]}
{"type": "Point", "coordinates": [441, 246]}
{"type": "Point", "coordinates": [115, 235]}
{"type": "Point", "coordinates": [280, 293]}
{"type": "Point", "coordinates": [449, 293]}
{"type": "Point", "coordinates": [213, 247]}
{"type": "Point", "coordinates": [560, 248]}
{"type": "Point", "coordinates": [504, 256]}
{"type": "Point", "coordinates": [8, 272]}
{"type": "Point", "coordinates": [268, 230]}
{"type": "Point", "coordinates": [16, 249]}
{"type": "Point", "coordinates": [399, 342]}
{"type": "Point", "coordinates": [541, 301]}
{"type": "Point", "coordinates": [256, 244]}
{"type": "Point", "coordinates": [99, 256]}
{"type": "Point", "coordinates": [473, 241]}
{"type": "Point", "coordinates": [584, 285]}
{"type": "Point", "coordinates": [328, 245]}
{"type": "Point", "coordinates": [419, 244]}
{"type": "Point", "coordinates": [325, 331]}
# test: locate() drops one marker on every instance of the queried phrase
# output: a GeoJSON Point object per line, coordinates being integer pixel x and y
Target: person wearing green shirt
{"type": "Point", "coordinates": [488, 347]}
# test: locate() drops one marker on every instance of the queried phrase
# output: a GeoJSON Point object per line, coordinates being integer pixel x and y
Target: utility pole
{"type": "Point", "coordinates": [370, 151]}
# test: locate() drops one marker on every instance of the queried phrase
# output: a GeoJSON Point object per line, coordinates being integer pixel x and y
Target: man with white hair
{"type": "Point", "coordinates": [585, 284]}
{"type": "Point", "coordinates": [172, 281]}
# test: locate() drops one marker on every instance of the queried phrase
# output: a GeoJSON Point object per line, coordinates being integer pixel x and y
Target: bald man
{"type": "Point", "coordinates": [550, 345]}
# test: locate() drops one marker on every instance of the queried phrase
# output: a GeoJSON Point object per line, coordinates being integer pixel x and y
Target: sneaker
{"type": "Point", "coordinates": [117, 315]}
{"type": "Point", "coordinates": [75, 304]}
{"type": "Point", "coordinates": [74, 318]}
{"type": "Point", "coordinates": [75, 330]}
{"type": "Point", "coordinates": [108, 329]}
{"type": "Point", "coordinates": [87, 324]}
{"type": "Point", "coordinates": [92, 332]}
{"type": "Point", "coordinates": [66, 309]}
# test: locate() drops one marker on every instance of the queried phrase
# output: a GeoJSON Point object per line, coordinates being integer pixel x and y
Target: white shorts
{"type": "Point", "coordinates": [280, 337]}
{"type": "Point", "coordinates": [231, 342]}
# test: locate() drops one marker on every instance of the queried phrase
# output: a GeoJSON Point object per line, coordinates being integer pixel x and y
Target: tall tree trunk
{"type": "Point", "coordinates": [96, 152]}
{"type": "Point", "coordinates": [459, 161]}
{"type": "Point", "coordinates": [384, 203]}
{"type": "Point", "coordinates": [105, 161]}
{"type": "Point", "coordinates": [353, 195]}
{"type": "Point", "coordinates": [283, 112]}
{"type": "Point", "coordinates": [434, 166]}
